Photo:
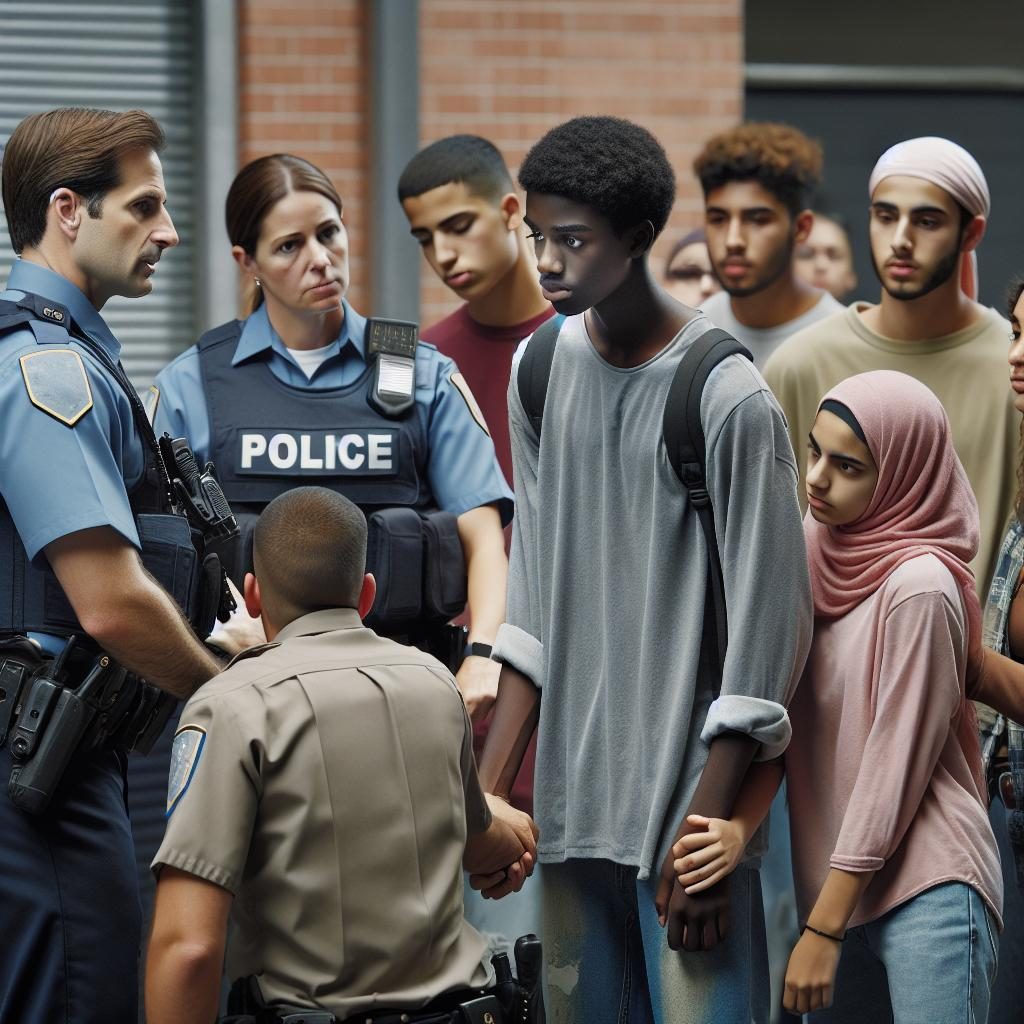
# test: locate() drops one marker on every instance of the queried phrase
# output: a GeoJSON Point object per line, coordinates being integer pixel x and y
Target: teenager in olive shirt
{"type": "Point", "coordinates": [607, 601]}
{"type": "Point", "coordinates": [929, 206]}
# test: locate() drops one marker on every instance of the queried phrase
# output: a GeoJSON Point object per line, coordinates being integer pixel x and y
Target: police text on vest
{"type": "Point", "coordinates": [317, 452]}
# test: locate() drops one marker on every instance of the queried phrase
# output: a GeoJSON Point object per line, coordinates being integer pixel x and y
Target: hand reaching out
{"type": "Point", "coordinates": [704, 858]}
{"type": "Point", "coordinates": [241, 631]}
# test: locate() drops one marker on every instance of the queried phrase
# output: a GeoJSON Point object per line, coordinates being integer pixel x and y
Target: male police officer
{"type": "Point", "coordinates": [84, 198]}
{"type": "Point", "coordinates": [323, 793]}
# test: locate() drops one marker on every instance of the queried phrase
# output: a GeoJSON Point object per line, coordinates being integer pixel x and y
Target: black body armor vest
{"type": "Point", "coordinates": [267, 437]}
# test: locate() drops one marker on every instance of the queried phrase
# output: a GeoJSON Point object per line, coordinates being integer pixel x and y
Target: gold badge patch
{"type": "Point", "coordinates": [57, 383]}
{"type": "Point", "coordinates": [152, 402]}
{"type": "Point", "coordinates": [459, 382]}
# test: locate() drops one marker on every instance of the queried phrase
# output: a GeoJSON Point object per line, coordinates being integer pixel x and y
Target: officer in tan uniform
{"type": "Point", "coordinates": [323, 795]}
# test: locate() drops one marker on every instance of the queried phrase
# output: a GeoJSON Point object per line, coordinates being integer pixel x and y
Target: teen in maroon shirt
{"type": "Point", "coordinates": [465, 213]}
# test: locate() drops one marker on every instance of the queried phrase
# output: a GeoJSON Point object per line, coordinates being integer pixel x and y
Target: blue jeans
{"type": "Point", "coordinates": [939, 951]}
{"type": "Point", "coordinates": [1008, 993]}
{"type": "Point", "coordinates": [608, 960]}
{"type": "Point", "coordinates": [779, 898]}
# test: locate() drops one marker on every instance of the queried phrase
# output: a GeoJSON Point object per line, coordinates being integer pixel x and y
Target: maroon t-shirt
{"type": "Point", "coordinates": [484, 356]}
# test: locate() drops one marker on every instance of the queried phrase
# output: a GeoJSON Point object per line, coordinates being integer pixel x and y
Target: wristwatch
{"type": "Point", "coordinates": [477, 650]}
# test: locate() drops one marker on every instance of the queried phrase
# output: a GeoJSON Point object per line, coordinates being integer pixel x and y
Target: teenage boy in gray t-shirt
{"type": "Point", "coordinates": [606, 606]}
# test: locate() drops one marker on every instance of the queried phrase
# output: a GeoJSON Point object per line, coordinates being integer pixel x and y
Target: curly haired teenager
{"type": "Point", "coordinates": [757, 181]}
{"type": "Point", "coordinates": [606, 612]}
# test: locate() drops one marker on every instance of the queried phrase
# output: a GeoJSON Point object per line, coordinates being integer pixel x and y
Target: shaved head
{"type": "Point", "coordinates": [309, 553]}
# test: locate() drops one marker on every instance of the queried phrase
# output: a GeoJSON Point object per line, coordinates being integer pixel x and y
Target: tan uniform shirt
{"type": "Point", "coordinates": [328, 782]}
{"type": "Point", "coordinates": [966, 370]}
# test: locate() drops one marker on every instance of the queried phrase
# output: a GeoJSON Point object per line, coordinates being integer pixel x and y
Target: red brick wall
{"type": "Point", "coordinates": [511, 70]}
{"type": "Point", "coordinates": [506, 69]}
{"type": "Point", "coordinates": [302, 90]}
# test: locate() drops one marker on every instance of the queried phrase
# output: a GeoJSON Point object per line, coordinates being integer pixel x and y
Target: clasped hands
{"type": "Point", "coordinates": [514, 854]}
{"type": "Point", "coordinates": [693, 893]}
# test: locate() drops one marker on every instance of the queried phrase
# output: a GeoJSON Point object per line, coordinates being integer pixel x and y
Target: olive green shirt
{"type": "Point", "coordinates": [327, 781]}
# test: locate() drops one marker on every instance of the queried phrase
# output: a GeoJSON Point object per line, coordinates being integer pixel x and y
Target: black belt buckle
{"type": "Point", "coordinates": [12, 679]}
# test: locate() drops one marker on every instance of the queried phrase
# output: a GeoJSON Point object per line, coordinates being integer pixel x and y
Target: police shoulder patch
{"type": "Point", "coordinates": [152, 402]}
{"type": "Point", "coordinates": [185, 753]}
{"type": "Point", "coordinates": [462, 386]}
{"type": "Point", "coordinates": [57, 383]}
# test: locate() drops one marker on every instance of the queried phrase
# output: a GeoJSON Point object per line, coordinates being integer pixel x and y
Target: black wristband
{"type": "Point", "coordinates": [824, 935]}
{"type": "Point", "coordinates": [477, 650]}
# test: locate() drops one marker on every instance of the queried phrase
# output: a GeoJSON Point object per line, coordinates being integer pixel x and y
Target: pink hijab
{"type": "Point", "coordinates": [923, 504]}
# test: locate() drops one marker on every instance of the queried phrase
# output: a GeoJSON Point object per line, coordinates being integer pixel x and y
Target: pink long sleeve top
{"type": "Point", "coordinates": [878, 780]}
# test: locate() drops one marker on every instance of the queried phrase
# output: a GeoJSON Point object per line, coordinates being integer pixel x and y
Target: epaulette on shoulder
{"type": "Point", "coordinates": [253, 652]}
{"type": "Point", "coordinates": [224, 334]}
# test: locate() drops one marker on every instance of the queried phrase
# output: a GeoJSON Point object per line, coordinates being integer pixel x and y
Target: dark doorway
{"type": "Point", "coordinates": [856, 125]}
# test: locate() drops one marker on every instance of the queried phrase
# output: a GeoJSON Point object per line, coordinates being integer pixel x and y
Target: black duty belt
{"type": "Point", "coordinates": [476, 1008]}
{"type": "Point", "coordinates": [53, 709]}
{"type": "Point", "coordinates": [508, 1002]}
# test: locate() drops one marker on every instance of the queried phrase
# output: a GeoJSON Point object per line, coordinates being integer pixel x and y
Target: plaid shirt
{"type": "Point", "coordinates": [994, 727]}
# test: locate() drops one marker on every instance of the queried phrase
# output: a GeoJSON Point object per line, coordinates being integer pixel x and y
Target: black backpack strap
{"type": "Point", "coordinates": [535, 370]}
{"type": "Point", "coordinates": [686, 449]}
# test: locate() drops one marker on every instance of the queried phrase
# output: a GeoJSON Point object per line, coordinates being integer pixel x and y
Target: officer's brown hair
{"type": "Point", "coordinates": [309, 553]}
{"type": "Point", "coordinates": [72, 147]}
{"type": "Point", "coordinates": [257, 188]}
{"type": "Point", "coordinates": [778, 157]}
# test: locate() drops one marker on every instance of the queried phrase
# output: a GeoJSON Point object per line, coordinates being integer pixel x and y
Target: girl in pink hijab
{"type": "Point", "coordinates": [892, 848]}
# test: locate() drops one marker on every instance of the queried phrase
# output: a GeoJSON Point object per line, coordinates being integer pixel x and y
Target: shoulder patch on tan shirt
{"type": "Point", "coordinates": [188, 745]}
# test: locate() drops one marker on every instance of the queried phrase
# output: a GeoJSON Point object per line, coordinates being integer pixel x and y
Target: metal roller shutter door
{"type": "Point", "coordinates": [118, 55]}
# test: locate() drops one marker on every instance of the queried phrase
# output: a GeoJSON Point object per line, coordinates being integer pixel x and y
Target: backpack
{"type": "Point", "coordinates": [682, 432]}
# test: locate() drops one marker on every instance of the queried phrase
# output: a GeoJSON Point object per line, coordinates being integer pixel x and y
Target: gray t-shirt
{"type": "Point", "coordinates": [607, 587]}
{"type": "Point", "coordinates": [763, 341]}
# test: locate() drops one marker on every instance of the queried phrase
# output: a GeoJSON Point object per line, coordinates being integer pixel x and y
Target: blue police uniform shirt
{"type": "Point", "coordinates": [59, 479]}
{"type": "Point", "coordinates": [462, 468]}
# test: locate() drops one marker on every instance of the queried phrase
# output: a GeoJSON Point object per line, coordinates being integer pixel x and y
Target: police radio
{"type": "Point", "coordinates": [197, 493]}
{"type": "Point", "coordinates": [392, 346]}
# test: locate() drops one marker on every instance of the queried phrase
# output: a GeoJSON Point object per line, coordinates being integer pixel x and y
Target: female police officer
{"type": "Point", "coordinates": [292, 395]}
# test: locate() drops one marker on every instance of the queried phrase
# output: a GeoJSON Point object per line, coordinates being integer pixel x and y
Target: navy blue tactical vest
{"type": "Point", "coordinates": [267, 436]}
{"type": "Point", "coordinates": [31, 597]}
